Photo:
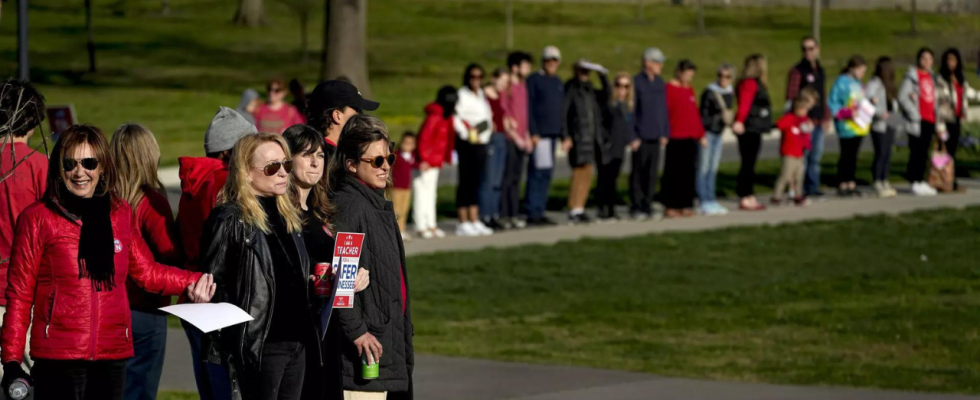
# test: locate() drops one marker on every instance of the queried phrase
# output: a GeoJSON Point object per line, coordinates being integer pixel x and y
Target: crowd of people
{"type": "Point", "coordinates": [90, 248]}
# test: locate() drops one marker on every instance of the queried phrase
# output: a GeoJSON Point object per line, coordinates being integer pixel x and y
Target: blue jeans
{"type": "Point", "coordinates": [708, 159]}
{"type": "Point", "coordinates": [149, 345]}
{"type": "Point", "coordinates": [811, 184]}
{"type": "Point", "coordinates": [493, 176]}
{"type": "Point", "coordinates": [212, 379]}
{"type": "Point", "coordinates": [538, 184]}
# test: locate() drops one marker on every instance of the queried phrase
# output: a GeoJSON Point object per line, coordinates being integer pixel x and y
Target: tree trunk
{"type": "Point", "coordinates": [510, 24]}
{"type": "Point", "coordinates": [304, 21]}
{"type": "Point", "coordinates": [165, 7]}
{"type": "Point", "coordinates": [326, 39]}
{"type": "Point", "coordinates": [91, 36]}
{"type": "Point", "coordinates": [347, 48]}
{"type": "Point", "coordinates": [250, 13]}
{"type": "Point", "coordinates": [701, 28]}
{"type": "Point", "coordinates": [815, 19]}
{"type": "Point", "coordinates": [639, 10]}
{"type": "Point", "coordinates": [915, 18]}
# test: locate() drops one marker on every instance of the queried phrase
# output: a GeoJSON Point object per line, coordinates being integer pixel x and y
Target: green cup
{"type": "Point", "coordinates": [370, 370]}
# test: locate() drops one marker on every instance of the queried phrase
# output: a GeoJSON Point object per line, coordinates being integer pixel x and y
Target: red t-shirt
{"type": "Point", "coordinates": [401, 172]}
{"type": "Point", "coordinates": [682, 110]}
{"type": "Point", "coordinates": [156, 222]}
{"type": "Point", "coordinates": [276, 121]}
{"type": "Point", "coordinates": [498, 114]}
{"type": "Point", "coordinates": [927, 97]}
{"type": "Point", "coordinates": [959, 99]}
{"type": "Point", "coordinates": [21, 189]}
{"type": "Point", "coordinates": [795, 140]}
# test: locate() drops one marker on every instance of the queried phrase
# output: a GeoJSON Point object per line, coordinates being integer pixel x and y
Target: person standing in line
{"type": "Point", "coordinates": [73, 251]}
{"type": "Point", "coordinates": [27, 183]}
{"type": "Point", "coordinates": [846, 98]}
{"type": "Point", "coordinates": [753, 120]}
{"type": "Point", "coordinates": [717, 115]}
{"type": "Point", "coordinates": [881, 90]}
{"type": "Point", "coordinates": [277, 115]}
{"type": "Point", "coordinates": [493, 175]}
{"type": "Point", "coordinates": [379, 327]}
{"type": "Point", "coordinates": [401, 181]}
{"type": "Point", "coordinates": [473, 125]}
{"type": "Point", "coordinates": [201, 179]}
{"type": "Point", "coordinates": [329, 107]}
{"type": "Point", "coordinates": [686, 133]}
{"type": "Point", "coordinates": [795, 127]}
{"type": "Point", "coordinates": [954, 93]}
{"type": "Point", "coordinates": [137, 156]}
{"type": "Point", "coordinates": [809, 73]}
{"type": "Point", "coordinates": [514, 103]}
{"type": "Point", "coordinates": [583, 131]}
{"type": "Point", "coordinates": [612, 147]}
{"type": "Point", "coordinates": [917, 97]}
{"type": "Point", "coordinates": [651, 131]}
{"type": "Point", "coordinates": [435, 148]}
{"type": "Point", "coordinates": [249, 104]}
{"type": "Point", "coordinates": [545, 96]}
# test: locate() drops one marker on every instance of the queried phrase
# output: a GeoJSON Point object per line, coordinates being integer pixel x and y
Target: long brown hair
{"type": "Point", "coordinates": [303, 139]}
{"type": "Point", "coordinates": [885, 70]}
{"type": "Point", "coordinates": [70, 139]}
{"type": "Point", "coordinates": [238, 190]}
{"type": "Point", "coordinates": [756, 67]}
{"type": "Point", "coordinates": [137, 157]}
{"type": "Point", "coordinates": [630, 95]}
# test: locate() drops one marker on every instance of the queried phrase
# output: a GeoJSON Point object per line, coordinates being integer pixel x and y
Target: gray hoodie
{"type": "Point", "coordinates": [908, 98]}
{"type": "Point", "coordinates": [247, 96]}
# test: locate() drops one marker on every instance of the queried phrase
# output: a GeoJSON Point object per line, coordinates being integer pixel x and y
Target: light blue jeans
{"type": "Point", "coordinates": [812, 181]}
{"type": "Point", "coordinates": [708, 159]}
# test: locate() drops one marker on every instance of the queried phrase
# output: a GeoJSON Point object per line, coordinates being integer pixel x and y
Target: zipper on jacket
{"type": "Point", "coordinates": [54, 298]}
{"type": "Point", "coordinates": [95, 322]}
{"type": "Point", "coordinates": [127, 334]}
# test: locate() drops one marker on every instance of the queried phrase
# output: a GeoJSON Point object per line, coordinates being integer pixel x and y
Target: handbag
{"type": "Point", "coordinates": [941, 168]}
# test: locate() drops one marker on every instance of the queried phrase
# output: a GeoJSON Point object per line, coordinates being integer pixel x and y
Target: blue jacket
{"type": "Point", "coordinates": [544, 99]}
{"type": "Point", "coordinates": [651, 122]}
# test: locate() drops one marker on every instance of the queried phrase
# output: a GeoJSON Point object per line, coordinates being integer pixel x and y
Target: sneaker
{"type": "Point", "coordinates": [817, 196]}
{"type": "Point", "coordinates": [776, 201]}
{"type": "Point", "coordinates": [844, 193]}
{"type": "Point", "coordinates": [720, 209]}
{"type": "Point", "coordinates": [438, 233]}
{"type": "Point", "coordinates": [482, 229]}
{"type": "Point", "coordinates": [889, 190]}
{"type": "Point", "coordinates": [540, 222]}
{"type": "Point", "coordinates": [801, 201]}
{"type": "Point", "coordinates": [582, 218]}
{"type": "Point", "coordinates": [467, 229]}
{"type": "Point", "coordinates": [639, 215]}
{"type": "Point", "coordinates": [518, 223]}
{"type": "Point", "coordinates": [427, 234]}
{"type": "Point", "coordinates": [506, 224]}
{"type": "Point", "coordinates": [880, 188]}
{"type": "Point", "coordinates": [493, 223]}
{"type": "Point", "coordinates": [922, 189]}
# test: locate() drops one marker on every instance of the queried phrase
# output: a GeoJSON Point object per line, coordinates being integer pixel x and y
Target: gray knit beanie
{"type": "Point", "coordinates": [226, 128]}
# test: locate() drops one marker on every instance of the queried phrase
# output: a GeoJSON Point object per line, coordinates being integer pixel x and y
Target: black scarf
{"type": "Point", "coordinates": [96, 244]}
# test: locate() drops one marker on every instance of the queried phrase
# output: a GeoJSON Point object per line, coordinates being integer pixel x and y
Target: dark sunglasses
{"type": "Point", "coordinates": [476, 76]}
{"type": "Point", "coordinates": [378, 161]}
{"type": "Point", "coordinates": [88, 163]}
{"type": "Point", "coordinates": [809, 48]}
{"type": "Point", "coordinates": [620, 84]}
{"type": "Point", "coordinates": [273, 167]}
{"type": "Point", "coordinates": [276, 90]}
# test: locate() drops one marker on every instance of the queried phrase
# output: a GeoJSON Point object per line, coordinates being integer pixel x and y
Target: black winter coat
{"type": "Point", "coordinates": [377, 309]}
{"type": "Point", "coordinates": [582, 119]}
{"type": "Point", "coordinates": [619, 129]}
{"type": "Point", "coordinates": [239, 257]}
{"type": "Point", "coordinates": [712, 110]}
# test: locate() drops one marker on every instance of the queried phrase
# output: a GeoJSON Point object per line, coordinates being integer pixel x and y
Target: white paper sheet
{"type": "Point", "coordinates": [544, 154]}
{"type": "Point", "coordinates": [209, 316]}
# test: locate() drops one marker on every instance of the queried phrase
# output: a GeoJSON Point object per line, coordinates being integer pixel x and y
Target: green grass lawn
{"type": "Point", "coordinates": [171, 73]}
{"type": "Point", "coordinates": [883, 302]}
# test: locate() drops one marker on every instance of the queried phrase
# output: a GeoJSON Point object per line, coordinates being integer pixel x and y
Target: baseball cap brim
{"type": "Point", "coordinates": [368, 105]}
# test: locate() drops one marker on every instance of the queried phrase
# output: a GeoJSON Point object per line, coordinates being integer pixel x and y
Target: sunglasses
{"type": "Point", "coordinates": [276, 90]}
{"type": "Point", "coordinates": [476, 76]}
{"type": "Point", "coordinates": [273, 167]}
{"type": "Point", "coordinates": [809, 48]}
{"type": "Point", "coordinates": [725, 76]}
{"type": "Point", "coordinates": [622, 84]}
{"type": "Point", "coordinates": [378, 161]}
{"type": "Point", "coordinates": [88, 163]}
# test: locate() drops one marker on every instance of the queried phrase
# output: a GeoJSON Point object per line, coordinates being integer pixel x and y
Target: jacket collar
{"type": "Point", "coordinates": [374, 197]}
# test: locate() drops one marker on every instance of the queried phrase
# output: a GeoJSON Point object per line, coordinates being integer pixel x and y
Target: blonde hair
{"type": "Point", "coordinates": [756, 67]}
{"type": "Point", "coordinates": [238, 189]}
{"type": "Point", "coordinates": [807, 99]}
{"type": "Point", "coordinates": [137, 156]}
{"type": "Point", "coordinates": [630, 94]}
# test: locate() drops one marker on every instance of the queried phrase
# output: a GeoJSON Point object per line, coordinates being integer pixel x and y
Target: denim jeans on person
{"type": "Point", "coordinates": [143, 371]}
{"type": "Point", "coordinates": [493, 176]}
{"type": "Point", "coordinates": [538, 184]}
{"type": "Point", "coordinates": [708, 159]}
{"type": "Point", "coordinates": [812, 169]}
{"type": "Point", "coordinates": [212, 379]}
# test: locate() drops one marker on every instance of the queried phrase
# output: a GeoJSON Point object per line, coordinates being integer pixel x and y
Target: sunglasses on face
{"type": "Point", "coordinates": [622, 84]}
{"type": "Point", "coordinates": [273, 167]}
{"type": "Point", "coordinates": [476, 76]}
{"type": "Point", "coordinates": [276, 90]}
{"type": "Point", "coordinates": [809, 48]}
{"type": "Point", "coordinates": [378, 161]}
{"type": "Point", "coordinates": [87, 163]}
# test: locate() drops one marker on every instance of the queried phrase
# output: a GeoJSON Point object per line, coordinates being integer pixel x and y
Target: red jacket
{"type": "Point", "coordinates": [71, 320]}
{"type": "Point", "coordinates": [21, 189]}
{"type": "Point", "coordinates": [682, 110]}
{"type": "Point", "coordinates": [156, 223]}
{"type": "Point", "coordinates": [436, 138]}
{"type": "Point", "coordinates": [200, 181]}
{"type": "Point", "coordinates": [795, 140]}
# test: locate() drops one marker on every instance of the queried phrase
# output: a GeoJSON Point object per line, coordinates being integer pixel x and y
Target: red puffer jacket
{"type": "Point", "coordinates": [436, 138]}
{"type": "Point", "coordinates": [71, 320]}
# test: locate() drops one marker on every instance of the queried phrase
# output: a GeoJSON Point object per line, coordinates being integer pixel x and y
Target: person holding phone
{"type": "Point", "coordinates": [473, 126]}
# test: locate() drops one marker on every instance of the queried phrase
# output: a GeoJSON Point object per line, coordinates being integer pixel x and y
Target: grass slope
{"type": "Point", "coordinates": [171, 73]}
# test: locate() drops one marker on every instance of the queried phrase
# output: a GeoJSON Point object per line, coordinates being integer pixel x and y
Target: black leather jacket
{"type": "Point", "coordinates": [238, 255]}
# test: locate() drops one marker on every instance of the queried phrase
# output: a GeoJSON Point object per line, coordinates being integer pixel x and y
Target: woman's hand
{"type": "Point", "coordinates": [738, 128]}
{"type": "Point", "coordinates": [203, 290]}
{"type": "Point", "coordinates": [367, 343]}
{"type": "Point", "coordinates": [424, 166]}
{"type": "Point", "coordinates": [704, 141]}
{"type": "Point", "coordinates": [635, 144]}
{"type": "Point", "coordinates": [362, 281]}
{"type": "Point", "coordinates": [567, 144]}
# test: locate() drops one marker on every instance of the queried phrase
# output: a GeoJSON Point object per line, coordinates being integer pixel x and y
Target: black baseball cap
{"type": "Point", "coordinates": [336, 94]}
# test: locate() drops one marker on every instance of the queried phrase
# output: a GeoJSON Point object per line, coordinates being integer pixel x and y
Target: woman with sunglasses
{"type": "Point", "coordinates": [474, 126]}
{"type": "Point", "coordinates": [72, 254]}
{"type": "Point", "coordinates": [379, 327]}
{"type": "Point", "coordinates": [252, 244]}
{"type": "Point", "coordinates": [717, 115]}
{"type": "Point", "coordinates": [619, 114]}
{"type": "Point", "coordinates": [277, 115]}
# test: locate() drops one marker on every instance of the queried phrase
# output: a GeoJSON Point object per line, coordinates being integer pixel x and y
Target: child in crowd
{"type": "Point", "coordinates": [401, 181]}
{"type": "Point", "coordinates": [795, 127]}
{"type": "Point", "coordinates": [435, 148]}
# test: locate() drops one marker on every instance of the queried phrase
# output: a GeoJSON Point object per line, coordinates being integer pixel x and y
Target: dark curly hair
{"type": "Point", "coordinates": [21, 108]}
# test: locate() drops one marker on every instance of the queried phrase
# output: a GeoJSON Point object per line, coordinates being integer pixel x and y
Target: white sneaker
{"type": "Point", "coordinates": [466, 229]}
{"type": "Point", "coordinates": [439, 233]}
{"type": "Point", "coordinates": [922, 189]}
{"type": "Point", "coordinates": [426, 234]}
{"type": "Point", "coordinates": [482, 228]}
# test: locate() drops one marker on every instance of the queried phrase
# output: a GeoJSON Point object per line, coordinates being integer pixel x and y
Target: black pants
{"type": "Point", "coordinates": [510, 187]}
{"type": "Point", "coordinates": [472, 162]}
{"type": "Point", "coordinates": [847, 161]}
{"type": "Point", "coordinates": [643, 177]}
{"type": "Point", "coordinates": [605, 191]}
{"type": "Point", "coordinates": [677, 188]}
{"type": "Point", "coordinates": [953, 143]}
{"type": "Point", "coordinates": [78, 379]}
{"type": "Point", "coordinates": [280, 377]}
{"type": "Point", "coordinates": [883, 142]}
{"type": "Point", "coordinates": [919, 152]}
{"type": "Point", "coordinates": [749, 145]}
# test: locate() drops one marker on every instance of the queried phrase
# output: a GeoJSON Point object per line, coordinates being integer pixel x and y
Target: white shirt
{"type": "Point", "coordinates": [473, 108]}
